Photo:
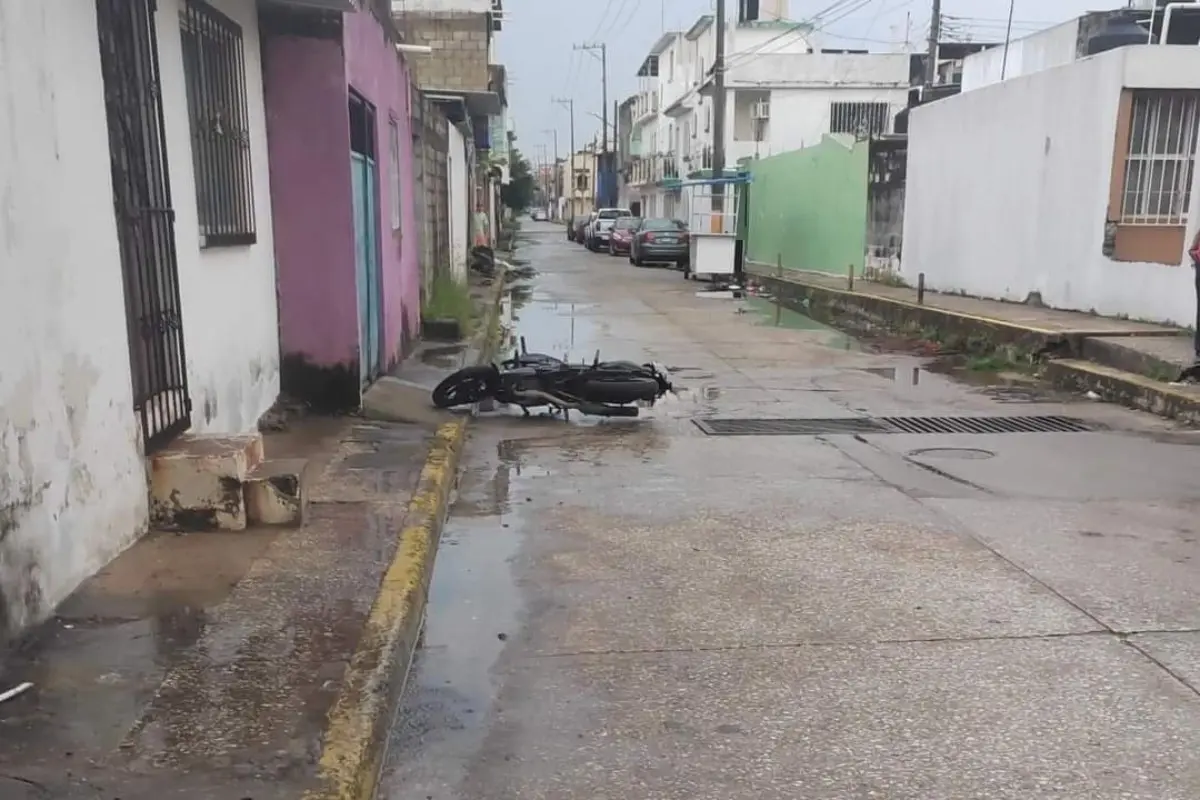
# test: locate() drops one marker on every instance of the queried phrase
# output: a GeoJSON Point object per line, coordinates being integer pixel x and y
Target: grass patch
{"type": "Point", "coordinates": [989, 363]}
{"type": "Point", "coordinates": [450, 299]}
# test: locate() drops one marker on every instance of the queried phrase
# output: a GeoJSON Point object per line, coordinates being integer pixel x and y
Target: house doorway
{"type": "Point", "coordinates": [144, 216]}
{"type": "Point", "coordinates": [364, 182]}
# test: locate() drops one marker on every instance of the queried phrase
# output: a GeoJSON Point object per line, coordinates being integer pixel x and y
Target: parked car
{"type": "Point", "coordinates": [598, 230]}
{"type": "Point", "coordinates": [539, 215]}
{"type": "Point", "coordinates": [622, 235]}
{"type": "Point", "coordinates": [580, 227]}
{"type": "Point", "coordinates": [659, 240]}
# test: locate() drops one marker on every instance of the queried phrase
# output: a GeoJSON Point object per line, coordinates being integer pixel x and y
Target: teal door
{"type": "Point", "coordinates": [364, 182]}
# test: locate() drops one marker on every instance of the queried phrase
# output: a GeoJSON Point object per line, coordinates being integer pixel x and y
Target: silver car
{"type": "Point", "coordinates": [600, 230]}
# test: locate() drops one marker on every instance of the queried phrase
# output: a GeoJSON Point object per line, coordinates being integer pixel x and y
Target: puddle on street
{"type": "Point", "coordinates": [560, 329]}
{"type": "Point", "coordinates": [768, 313]}
{"type": "Point", "coordinates": [1005, 386]}
{"type": "Point", "coordinates": [475, 601]}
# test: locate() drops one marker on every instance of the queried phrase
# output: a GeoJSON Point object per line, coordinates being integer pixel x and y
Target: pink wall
{"type": "Point", "coordinates": [380, 75]}
{"type": "Point", "coordinates": [308, 137]}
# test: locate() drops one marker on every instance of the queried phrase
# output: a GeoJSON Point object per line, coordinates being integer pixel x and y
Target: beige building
{"type": "Point", "coordinates": [580, 189]}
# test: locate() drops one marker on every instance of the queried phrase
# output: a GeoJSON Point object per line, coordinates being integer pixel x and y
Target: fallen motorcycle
{"type": "Point", "coordinates": [533, 380]}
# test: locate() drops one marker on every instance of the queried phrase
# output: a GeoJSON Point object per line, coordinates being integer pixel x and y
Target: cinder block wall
{"type": "Point", "coordinates": [460, 49]}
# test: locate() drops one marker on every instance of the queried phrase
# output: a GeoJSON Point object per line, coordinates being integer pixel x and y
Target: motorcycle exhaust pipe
{"type": "Point", "coordinates": [600, 410]}
{"type": "Point", "coordinates": [592, 409]}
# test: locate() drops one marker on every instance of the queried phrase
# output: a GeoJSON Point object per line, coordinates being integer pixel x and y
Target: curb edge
{"type": "Point", "coordinates": [356, 730]}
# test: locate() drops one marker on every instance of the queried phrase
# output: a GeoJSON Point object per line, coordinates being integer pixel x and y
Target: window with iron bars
{"type": "Point", "coordinates": [1161, 158]}
{"type": "Point", "coordinates": [859, 119]}
{"type": "Point", "coordinates": [214, 70]}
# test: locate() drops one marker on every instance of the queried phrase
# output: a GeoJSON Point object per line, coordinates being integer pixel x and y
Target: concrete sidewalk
{"type": "Point", "coordinates": [1124, 361]}
{"type": "Point", "coordinates": [260, 664]}
{"type": "Point", "coordinates": [204, 665]}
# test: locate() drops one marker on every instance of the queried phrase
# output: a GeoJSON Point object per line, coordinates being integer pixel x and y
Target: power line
{"type": "Point", "coordinates": [600, 22]}
{"type": "Point", "coordinates": [613, 22]}
{"type": "Point", "coordinates": [746, 56]}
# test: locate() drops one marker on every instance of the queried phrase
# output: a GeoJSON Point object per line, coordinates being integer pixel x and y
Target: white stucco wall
{"type": "Point", "coordinates": [460, 197]}
{"type": "Point", "coordinates": [72, 478]}
{"type": "Point", "coordinates": [72, 483]}
{"type": "Point", "coordinates": [998, 209]}
{"type": "Point", "coordinates": [800, 117]}
{"type": "Point", "coordinates": [1045, 49]}
{"type": "Point", "coordinates": [230, 314]}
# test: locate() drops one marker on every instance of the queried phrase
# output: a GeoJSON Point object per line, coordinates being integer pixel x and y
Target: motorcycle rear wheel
{"type": "Point", "coordinates": [468, 385]}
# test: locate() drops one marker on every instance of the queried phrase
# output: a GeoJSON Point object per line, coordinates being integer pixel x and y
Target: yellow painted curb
{"type": "Point", "coordinates": [355, 738]}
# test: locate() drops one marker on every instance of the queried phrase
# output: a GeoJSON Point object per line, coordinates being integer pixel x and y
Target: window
{"type": "Point", "coordinates": [394, 173]}
{"type": "Point", "coordinates": [214, 71]}
{"type": "Point", "coordinates": [859, 119]}
{"type": "Point", "coordinates": [1161, 158]}
{"type": "Point", "coordinates": [747, 10]}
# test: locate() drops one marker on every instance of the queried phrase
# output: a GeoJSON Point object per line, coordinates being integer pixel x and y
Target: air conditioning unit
{"type": "Point", "coordinates": [761, 110]}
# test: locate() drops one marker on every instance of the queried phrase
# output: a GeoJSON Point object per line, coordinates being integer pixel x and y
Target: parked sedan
{"type": "Point", "coordinates": [622, 235]}
{"type": "Point", "coordinates": [659, 240]}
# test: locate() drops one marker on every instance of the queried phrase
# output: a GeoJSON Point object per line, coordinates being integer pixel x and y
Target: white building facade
{"type": "Point", "coordinates": [136, 265]}
{"type": "Point", "coordinates": [1077, 183]}
{"type": "Point", "coordinates": [781, 95]}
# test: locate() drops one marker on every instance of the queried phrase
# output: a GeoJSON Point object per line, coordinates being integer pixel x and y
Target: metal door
{"type": "Point", "coordinates": [364, 181]}
{"type": "Point", "coordinates": [144, 216]}
{"type": "Point", "coordinates": [886, 179]}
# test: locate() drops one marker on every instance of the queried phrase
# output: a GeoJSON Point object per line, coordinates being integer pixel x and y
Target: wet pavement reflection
{"type": "Point", "coordinates": [630, 608]}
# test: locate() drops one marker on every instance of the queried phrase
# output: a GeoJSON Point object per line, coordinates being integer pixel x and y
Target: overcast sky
{"type": "Point", "coordinates": [539, 35]}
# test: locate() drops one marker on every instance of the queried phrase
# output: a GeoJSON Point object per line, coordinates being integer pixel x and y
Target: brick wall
{"type": "Point", "coordinates": [459, 60]}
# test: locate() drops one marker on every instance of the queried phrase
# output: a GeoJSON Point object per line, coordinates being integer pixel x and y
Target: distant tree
{"type": "Point", "coordinates": [517, 194]}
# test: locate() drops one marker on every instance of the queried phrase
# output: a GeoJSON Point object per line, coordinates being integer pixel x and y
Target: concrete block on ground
{"type": "Point", "coordinates": [397, 400]}
{"type": "Point", "coordinates": [196, 483]}
{"type": "Point", "coordinates": [276, 493]}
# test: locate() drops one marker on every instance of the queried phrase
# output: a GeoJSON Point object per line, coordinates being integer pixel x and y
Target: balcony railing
{"type": "Point", "coordinates": [655, 168]}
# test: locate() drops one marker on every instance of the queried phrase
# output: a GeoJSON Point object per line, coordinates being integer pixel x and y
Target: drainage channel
{"type": "Point", "coordinates": [746, 426]}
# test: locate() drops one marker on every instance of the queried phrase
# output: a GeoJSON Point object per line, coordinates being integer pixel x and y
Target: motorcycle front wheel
{"type": "Point", "coordinates": [468, 385]}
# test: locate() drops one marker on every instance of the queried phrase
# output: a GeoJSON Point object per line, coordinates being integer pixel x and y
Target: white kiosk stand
{"type": "Point", "coordinates": [712, 235]}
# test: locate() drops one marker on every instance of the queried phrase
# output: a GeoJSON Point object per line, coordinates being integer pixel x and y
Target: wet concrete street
{"type": "Point", "coordinates": [635, 609]}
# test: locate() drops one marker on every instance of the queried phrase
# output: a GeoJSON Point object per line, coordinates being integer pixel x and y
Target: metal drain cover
{"type": "Point", "coordinates": [853, 425]}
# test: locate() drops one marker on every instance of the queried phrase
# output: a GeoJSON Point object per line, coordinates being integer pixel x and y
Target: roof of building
{"type": "Point", "coordinates": [699, 26]}
{"type": "Point", "coordinates": [649, 67]}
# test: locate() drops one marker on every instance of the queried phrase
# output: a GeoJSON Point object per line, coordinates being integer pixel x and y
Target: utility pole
{"type": "Point", "coordinates": [569, 104]}
{"type": "Point", "coordinates": [603, 48]}
{"type": "Point", "coordinates": [541, 149]}
{"type": "Point", "coordinates": [935, 32]}
{"type": "Point", "coordinates": [718, 127]}
{"type": "Point", "coordinates": [1012, 4]}
{"type": "Point", "coordinates": [554, 174]}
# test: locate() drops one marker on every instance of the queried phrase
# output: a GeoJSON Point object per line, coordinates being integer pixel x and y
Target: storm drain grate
{"type": "Point", "coordinates": [852, 425]}
{"type": "Point", "coordinates": [789, 427]}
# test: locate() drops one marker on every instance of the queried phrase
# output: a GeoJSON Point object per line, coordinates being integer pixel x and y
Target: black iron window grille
{"type": "Point", "coordinates": [214, 68]}
{"type": "Point", "coordinates": [144, 216]}
{"type": "Point", "coordinates": [860, 119]}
